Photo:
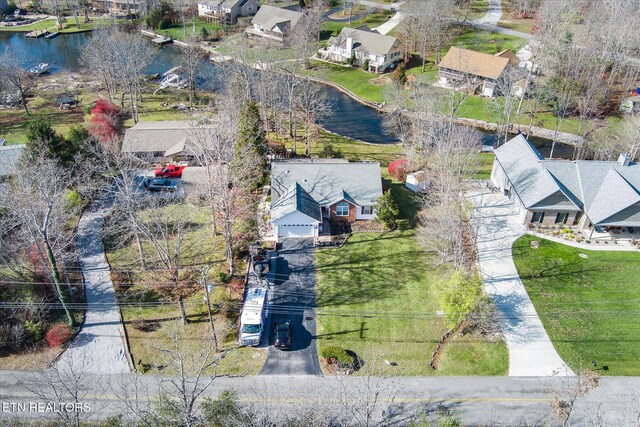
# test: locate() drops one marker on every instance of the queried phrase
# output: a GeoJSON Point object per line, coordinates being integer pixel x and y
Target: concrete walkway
{"type": "Point", "coordinates": [99, 347]}
{"type": "Point", "coordinates": [531, 352]}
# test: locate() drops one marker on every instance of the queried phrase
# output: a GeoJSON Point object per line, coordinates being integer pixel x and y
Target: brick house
{"type": "Point", "coordinates": [306, 195]}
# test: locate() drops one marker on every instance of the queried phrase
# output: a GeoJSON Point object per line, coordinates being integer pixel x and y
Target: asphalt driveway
{"type": "Point", "coordinates": [293, 297]}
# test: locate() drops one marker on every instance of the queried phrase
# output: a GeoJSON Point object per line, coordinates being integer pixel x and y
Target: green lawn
{"type": "Point", "coordinates": [177, 31]}
{"type": "Point", "coordinates": [354, 79]}
{"type": "Point", "coordinates": [373, 20]}
{"type": "Point", "coordinates": [377, 297]}
{"type": "Point", "coordinates": [589, 307]}
{"type": "Point", "coordinates": [486, 163]}
{"type": "Point", "coordinates": [69, 25]}
{"type": "Point", "coordinates": [198, 248]}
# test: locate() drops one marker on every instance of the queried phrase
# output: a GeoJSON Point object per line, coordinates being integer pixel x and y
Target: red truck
{"type": "Point", "coordinates": [169, 171]}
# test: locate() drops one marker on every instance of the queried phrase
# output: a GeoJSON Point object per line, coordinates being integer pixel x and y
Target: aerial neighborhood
{"type": "Point", "coordinates": [319, 213]}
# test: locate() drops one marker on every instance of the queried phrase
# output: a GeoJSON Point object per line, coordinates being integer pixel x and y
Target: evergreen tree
{"type": "Point", "coordinates": [387, 210]}
{"type": "Point", "coordinates": [42, 138]}
{"type": "Point", "coordinates": [252, 130]}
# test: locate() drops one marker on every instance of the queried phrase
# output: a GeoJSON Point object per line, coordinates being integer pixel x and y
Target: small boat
{"type": "Point", "coordinates": [160, 40]}
{"type": "Point", "coordinates": [41, 68]}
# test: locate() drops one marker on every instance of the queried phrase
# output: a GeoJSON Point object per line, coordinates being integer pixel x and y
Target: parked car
{"type": "Point", "coordinates": [169, 171]}
{"type": "Point", "coordinates": [283, 335]}
{"type": "Point", "coordinates": [160, 184]}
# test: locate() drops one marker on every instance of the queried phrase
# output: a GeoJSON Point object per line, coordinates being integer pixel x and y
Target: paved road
{"type": "Point", "coordinates": [531, 352]}
{"type": "Point", "coordinates": [99, 347]}
{"type": "Point", "coordinates": [293, 297]}
{"type": "Point", "coordinates": [494, 13]}
{"type": "Point", "coordinates": [478, 400]}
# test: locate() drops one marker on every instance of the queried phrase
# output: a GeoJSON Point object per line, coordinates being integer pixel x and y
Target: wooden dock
{"type": "Point", "coordinates": [52, 35]}
{"type": "Point", "coordinates": [37, 34]}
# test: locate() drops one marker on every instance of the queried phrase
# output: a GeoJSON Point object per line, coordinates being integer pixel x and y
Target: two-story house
{"type": "Point", "coordinates": [362, 44]}
{"type": "Point", "coordinates": [227, 10]}
{"type": "Point", "coordinates": [273, 22]}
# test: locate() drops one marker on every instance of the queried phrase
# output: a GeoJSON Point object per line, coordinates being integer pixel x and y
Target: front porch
{"type": "Point", "coordinates": [622, 238]}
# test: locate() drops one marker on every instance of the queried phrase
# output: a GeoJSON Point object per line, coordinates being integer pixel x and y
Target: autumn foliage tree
{"type": "Point", "coordinates": [398, 169]}
{"type": "Point", "coordinates": [105, 121]}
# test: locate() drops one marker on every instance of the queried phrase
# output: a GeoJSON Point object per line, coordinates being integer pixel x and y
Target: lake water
{"type": "Point", "coordinates": [349, 118]}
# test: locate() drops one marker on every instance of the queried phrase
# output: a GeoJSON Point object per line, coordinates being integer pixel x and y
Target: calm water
{"type": "Point", "coordinates": [349, 118]}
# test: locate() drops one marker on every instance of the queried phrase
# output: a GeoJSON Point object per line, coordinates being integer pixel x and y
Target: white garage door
{"type": "Point", "coordinates": [295, 231]}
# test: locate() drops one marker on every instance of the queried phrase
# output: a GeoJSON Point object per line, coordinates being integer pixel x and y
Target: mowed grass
{"type": "Point", "coordinates": [589, 307]}
{"type": "Point", "coordinates": [374, 19]}
{"type": "Point", "coordinates": [179, 32]}
{"type": "Point", "coordinates": [354, 79]}
{"type": "Point", "coordinates": [377, 296]}
{"type": "Point", "coordinates": [68, 25]}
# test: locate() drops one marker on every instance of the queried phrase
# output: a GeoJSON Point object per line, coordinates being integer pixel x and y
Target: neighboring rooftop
{"type": "Point", "coordinates": [475, 63]}
{"type": "Point", "coordinates": [328, 182]}
{"type": "Point", "coordinates": [170, 137]}
{"type": "Point", "coordinates": [9, 157]}
{"type": "Point", "coordinates": [365, 40]}
{"type": "Point", "coordinates": [269, 17]}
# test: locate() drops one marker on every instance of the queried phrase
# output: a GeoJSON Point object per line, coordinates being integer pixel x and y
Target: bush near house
{"type": "Point", "coordinates": [335, 354]}
{"type": "Point", "coordinates": [387, 210]}
{"type": "Point", "coordinates": [398, 169]}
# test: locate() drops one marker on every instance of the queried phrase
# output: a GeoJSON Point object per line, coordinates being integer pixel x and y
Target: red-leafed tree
{"type": "Point", "coordinates": [398, 169]}
{"type": "Point", "coordinates": [105, 121]}
{"type": "Point", "coordinates": [58, 335]}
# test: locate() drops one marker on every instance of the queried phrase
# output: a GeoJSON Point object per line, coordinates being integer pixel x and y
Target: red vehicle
{"type": "Point", "coordinates": [170, 171]}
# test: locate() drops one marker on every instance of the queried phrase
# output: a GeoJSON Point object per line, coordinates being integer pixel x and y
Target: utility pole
{"type": "Point", "coordinates": [208, 301]}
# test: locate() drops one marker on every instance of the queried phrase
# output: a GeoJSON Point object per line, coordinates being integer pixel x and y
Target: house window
{"type": "Point", "coordinates": [366, 210]}
{"type": "Point", "coordinates": [250, 8]}
{"type": "Point", "coordinates": [537, 217]}
{"type": "Point", "coordinates": [342, 209]}
{"type": "Point", "coordinates": [561, 218]}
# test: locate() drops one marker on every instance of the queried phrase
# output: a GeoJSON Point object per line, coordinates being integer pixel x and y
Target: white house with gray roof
{"type": "Point", "coordinates": [227, 10]}
{"type": "Point", "coordinates": [382, 52]}
{"type": "Point", "coordinates": [307, 194]}
{"type": "Point", "coordinates": [9, 157]}
{"type": "Point", "coordinates": [587, 193]}
{"type": "Point", "coordinates": [273, 22]}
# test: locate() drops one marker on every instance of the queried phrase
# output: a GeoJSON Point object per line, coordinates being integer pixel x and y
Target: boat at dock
{"type": "Point", "coordinates": [52, 35]}
{"type": "Point", "coordinates": [171, 78]}
{"type": "Point", "coordinates": [41, 68]}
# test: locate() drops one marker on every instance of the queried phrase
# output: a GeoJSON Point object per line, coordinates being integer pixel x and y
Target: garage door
{"type": "Point", "coordinates": [295, 231]}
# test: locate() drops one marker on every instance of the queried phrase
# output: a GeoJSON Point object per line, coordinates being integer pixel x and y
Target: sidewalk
{"type": "Point", "coordinates": [531, 352]}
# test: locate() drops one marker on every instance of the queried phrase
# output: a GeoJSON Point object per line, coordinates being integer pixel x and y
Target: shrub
{"type": "Point", "coordinates": [34, 330]}
{"type": "Point", "coordinates": [398, 169]}
{"type": "Point", "coordinates": [74, 199]}
{"type": "Point", "coordinates": [18, 336]}
{"type": "Point", "coordinates": [328, 151]}
{"type": "Point", "coordinates": [220, 410]}
{"type": "Point", "coordinates": [145, 325]}
{"type": "Point", "coordinates": [335, 354]}
{"type": "Point", "coordinates": [58, 335]}
{"type": "Point", "coordinates": [4, 336]}
{"type": "Point", "coordinates": [224, 277]}
{"type": "Point", "coordinates": [365, 65]}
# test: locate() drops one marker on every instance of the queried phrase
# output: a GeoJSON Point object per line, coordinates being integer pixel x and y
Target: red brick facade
{"type": "Point", "coordinates": [351, 218]}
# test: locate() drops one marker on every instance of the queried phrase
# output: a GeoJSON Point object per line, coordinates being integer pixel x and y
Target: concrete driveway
{"type": "Point", "coordinates": [293, 297]}
{"type": "Point", "coordinates": [99, 347]}
{"type": "Point", "coordinates": [494, 13]}
{"type": "Point", "coordinates": [531, 352]}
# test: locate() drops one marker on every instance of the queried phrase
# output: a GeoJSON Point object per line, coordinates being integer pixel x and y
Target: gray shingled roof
{"type": "Point", "coordinates": [150, 137]}
{"type": "Point", "coordinates": [269, 16]}
{"type": "Point", "coordinates": [326, 182]}
{"type": "Point", "coordinates": [608, 192]}
{"type": "Point", "coordinates": [9, 156]}
{"type": "Point", "coordinates": [365, 41]}
{"type": "Point", "coordinates": [296, 199]}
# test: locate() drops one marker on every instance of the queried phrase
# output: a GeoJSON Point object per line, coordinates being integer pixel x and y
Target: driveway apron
{"type": "Point", "coordinates": [531, 352]}
{"type": "Point", "coordinates": [293, 297]}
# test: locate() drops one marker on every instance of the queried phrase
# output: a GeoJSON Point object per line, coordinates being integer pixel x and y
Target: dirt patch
{"type": "Point", "coordinates": [380, 81]}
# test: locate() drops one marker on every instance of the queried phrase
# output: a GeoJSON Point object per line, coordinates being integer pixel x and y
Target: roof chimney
{"type": "Point", "coordinates": [624, 159]}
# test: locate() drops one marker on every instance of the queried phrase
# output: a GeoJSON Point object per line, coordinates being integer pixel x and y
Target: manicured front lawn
{"type": "Point", "coordinates": [373, 20]}
{"type": "Point", "coordinates": [179, 32]}
{"type": "Point", "coordinates": [377, 296]}
{"type": "Point", "coordinates": [354, 79]}
{"type": "Point", "coordinates": [589, 307]}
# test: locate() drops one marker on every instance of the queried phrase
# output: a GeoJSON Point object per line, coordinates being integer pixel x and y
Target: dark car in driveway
{"type": "Point", "coordinates": [283, 335]}
{"type": "Point", "coordinates": [160, 184]}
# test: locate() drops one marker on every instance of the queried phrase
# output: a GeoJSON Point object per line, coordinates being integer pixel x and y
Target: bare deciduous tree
{"type": "Point", "coordinates": [14, 78]}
